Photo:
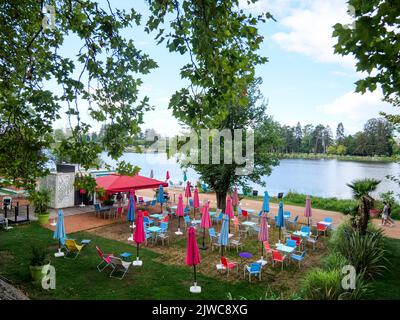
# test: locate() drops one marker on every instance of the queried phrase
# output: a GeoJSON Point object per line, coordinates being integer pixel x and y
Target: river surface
{"type": "Point", "coordinates": [325, 178]}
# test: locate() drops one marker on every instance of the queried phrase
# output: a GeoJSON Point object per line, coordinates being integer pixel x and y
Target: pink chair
{"type": "Point", "coordinates": [119, 213]}
{"type": "Point", "coordinates": [277, 257]}
{"type": "Point", "coordinates": [229, 265]}
{"type": "Point", "coordinates": [105, 259]}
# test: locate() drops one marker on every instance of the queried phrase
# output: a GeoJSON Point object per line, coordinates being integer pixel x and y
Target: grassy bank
{"type": "Point", "coordinates": [332, 204]}
{"type": "Point", "coordinates": [319, 156]}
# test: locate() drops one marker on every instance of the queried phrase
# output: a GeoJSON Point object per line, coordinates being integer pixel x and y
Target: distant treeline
{"type": "Point", "coordinates": [376, 139]}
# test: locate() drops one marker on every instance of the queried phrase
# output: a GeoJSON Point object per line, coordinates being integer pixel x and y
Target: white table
{"type": "Point", "coordinates": [284, 248]}
{"type": "Point", "coordinates": [249, 223]}
{"type": "Point", "coordinates": [301, 234]}
{"type": "Point", "coordinates": [328, 224]}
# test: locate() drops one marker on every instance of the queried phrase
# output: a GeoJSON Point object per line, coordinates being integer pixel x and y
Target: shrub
{"type": "Point", "coordinates": [362, 290]}
{"type": "Point", "coordinates": [366, 253]}
{"type": "Point", "coordinates": [38, 257]}
{"type": "Point", "coordinates": [334, 261]}
{"type": "Point", "coordinates": [321, 284]}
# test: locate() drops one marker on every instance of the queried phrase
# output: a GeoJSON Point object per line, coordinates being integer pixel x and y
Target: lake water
{"type": "Point", "coordinates": [325, 178]}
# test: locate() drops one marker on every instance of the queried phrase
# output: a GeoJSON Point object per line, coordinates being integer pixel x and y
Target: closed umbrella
{"type": "Point", "coordinates": [184, 177]}
{"type": "Point", "coordinates": [151, 174]}
{"type": "Point", "coordinates": [139, 236]}
{"type": "Point", "coordinates": [265, 207]}
{"type": "Point", "coordinates": [160, 196]}
{"type": "Point", "coordinates": [59, 233]}
{"type": "Point", "coordinates": [263, 235]}
{"type": "Point", "coordinates": [223, 238]}
{"type": "Point", "coordinates": [235, 198]}
{"type": "Point", "coordinates": [196, 202]}
{"type": "Point", "coordinates": [193, 256]}
{"type": "Point", "coordinates": [307, 210]}
{"type": "Point", "coordinates": [131, 208]}
{"type": "Point", "coordinates": [229, 210]}
{"type": "Point", "coordinates": [179, 213]}
{"type": "Point", "coordinates": [205, 222]}
{"type": "Point", "coordinates": [280, 221]}
{"type": "Point", "coordinates": [188, 193]}
{"type": "Point", "coordinates": [167, 176]}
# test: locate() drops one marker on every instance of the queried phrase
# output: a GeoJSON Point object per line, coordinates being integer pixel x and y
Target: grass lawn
{"type": "Point", "coordinates": [388, 285]}
{"type": "Point", "coordinates": [159, 278]}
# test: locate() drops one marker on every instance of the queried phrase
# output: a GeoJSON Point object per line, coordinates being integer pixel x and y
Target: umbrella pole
{"type": "Point", "coordinates": [137, 251]}
{"type": "Point", "coordinates": [222, 251]}
{"type": "Point", "coordinates": [179, 222]}
{"type": "Point", "coordinates": [194, 213]}
{"type": "Point", "coordinates": [261, 249]}
{"type": "Point", "coordinates": [194, 272]}
{"type": "Point", "coordinates": [308, 221]}
{"type": "Point", "coordinates": [279, 233]}
{"type": "Point", "coordinates": [204, 237]}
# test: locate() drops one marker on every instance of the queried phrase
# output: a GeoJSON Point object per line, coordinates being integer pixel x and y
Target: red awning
{"type": "Point", "coordinates": [117, 183]}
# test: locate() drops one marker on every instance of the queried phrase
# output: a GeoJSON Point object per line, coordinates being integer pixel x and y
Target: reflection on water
{"type": "Point", "coordinates": [326, 178]}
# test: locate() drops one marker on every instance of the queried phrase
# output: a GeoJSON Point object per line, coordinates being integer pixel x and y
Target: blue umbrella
{"type": "Point", "coordinates": [223, 238]}
{"type": "Point", "coordinates": [184, 176]}
{"type": "Point", "coordinates": [280, 221]}
{"type": "Point", "coordinates": [151, 174]}
{"type": "Point", "coordinates": [265, 207]}
{"type": "Point", "coordinates": [59, 232]}
{"type": "Point", "coordinates": [131, 208]}
{"type": "Point", "coordinates": [160, 196]}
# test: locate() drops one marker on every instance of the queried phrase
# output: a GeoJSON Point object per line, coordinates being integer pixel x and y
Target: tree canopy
{"type": "Point", "coordinates": [103, 80]}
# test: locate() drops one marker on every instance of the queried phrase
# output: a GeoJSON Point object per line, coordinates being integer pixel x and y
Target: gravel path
{"type": "Point", "coordinates": [8, 292]}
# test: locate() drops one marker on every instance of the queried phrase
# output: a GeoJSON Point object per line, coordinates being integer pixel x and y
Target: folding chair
{"type": "Point", "coordinates": [119, 266]}
{"type": "Point", "coordinates": [73, 249]}
{"type": "Point", "coordinates": [105, 259]}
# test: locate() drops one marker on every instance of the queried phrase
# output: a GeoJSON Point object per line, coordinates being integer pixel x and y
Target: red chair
{"type": "Point", "coordinates": [145, 213]}
{"type": "Point", "coordinates": [297, 239]}
{"type": "Point", "coordinates": [105, 259]}
{"type": "Point", "coordinates": [165, 219]}
{"type": "Point", "coordinates": [321, 228]}
{"type": "Point", "coordinates": [277, 257]}
{"type": "Point", "coordinates": [267, 247]}
{"type": "Point", "coordinates": [229, 265]}
{"type": "Point", "coordinates": [245, 214]}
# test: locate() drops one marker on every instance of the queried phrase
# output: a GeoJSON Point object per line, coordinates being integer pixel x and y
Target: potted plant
{"type": "Point", "coordinates": [39, 263]}
{"type": "Point", "coordinates": [41, 200]}
{"type": "Point", "coordinates": [86, 185]}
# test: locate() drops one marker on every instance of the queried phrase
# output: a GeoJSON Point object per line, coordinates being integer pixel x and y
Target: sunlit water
{"type": "Point", "coordinates": [326, 178]}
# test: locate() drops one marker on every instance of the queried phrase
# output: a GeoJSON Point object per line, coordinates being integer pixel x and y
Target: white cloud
{"type": "Point", "coordinates": [309, 30]}
{"type": "Point", "coordinates": [162, 121]}
{"type": "Point", "coordinates": [354, 109]}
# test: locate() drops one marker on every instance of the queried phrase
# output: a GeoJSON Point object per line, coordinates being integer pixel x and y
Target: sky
{"type": "Point", "coordinates": [303, 80]}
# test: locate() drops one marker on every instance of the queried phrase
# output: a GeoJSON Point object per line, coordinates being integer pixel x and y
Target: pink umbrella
{"type": "Point", "coordinates": [188, 193]}
{"type": "Point", "coordinates": [235, 198]}
{"type": "Point", "coordinates": [192, 254]}
{"type": "Point", "coordinates": [263, 233]}
{"type": "Point", "coordinates": [196, 202]}
{"type": "Point", "coordinates": [179, 212]}
{"type": "Point", "coordinates": [139, 235]}
{"type": "Point", "coordinates": [307, 210]}
{"type": "Point", "coordinates": [167, 176]}
{"type": "Point", "coordinates": [205, 222]}
{"type": "Point", "coordinates": [229, 210]}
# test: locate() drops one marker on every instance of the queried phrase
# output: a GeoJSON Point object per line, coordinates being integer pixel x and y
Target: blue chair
{"type": "Point", "coordinates": [147, 221]}
{"type": "Point", "coordinates": [239, 210]}
{"type": "Point", "coordinates": [253, 269]}
{"type": "Point", "coordinates": [191, 202]}
{"type": "Point", "coordinates": [291, 243]}
{"type": "Point", "coordinates": [213, 235]}
{"type": "Point", "coordinates": [298, 256]}
{"type": "Point", "coordinates": [148, 234]}
{"type": "Point", "coordinates": [328, 219]}
{"type": "Point", "coordinates": [287, 214]}
{"type": "Point", "coordinates": [219, 218]}
{"type": "Point", "coordinates": [163, 233]}
{"type": "Point", "coordinates": [187, 220]}
{"type": "Point", "coordinates": [153, 203]}
{"type": "Point", "coordinates": [293, 222]}
{"type": "Point", "coordinates": [186, 210]}
{"type": "Point", "coordinates": [305, 229]}
{"type": "Point", "coordinates": [204, 187]}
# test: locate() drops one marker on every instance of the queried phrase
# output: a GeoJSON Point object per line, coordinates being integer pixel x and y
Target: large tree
{"type": "Point", "coordinates": [374, 40]}
{"type": "Point", "coordinates": [39, 77]}
{"type": "Point", "coordinates": [221, 42]}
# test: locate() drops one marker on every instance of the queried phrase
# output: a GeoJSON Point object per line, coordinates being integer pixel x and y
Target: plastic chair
{"type": "Point", "coordinates": [321, 228]}
{"type": "Point", "coordinates": [73, 249]}
{"type": "Point", "coordinates": [291, 243]}
{"type": "Point", "coordinates": [253, 269]}
{"type": "Point", "coordinates": [298, 256]}
{"type": "Point", "coordinates": [187, 220]}
{"type": "Point", "coordinates": [297, 239]}
{"type": "Point", "coordinates": [245, 214]}
{"type": "Point", "coordinates": [313, 240]}
{"type": "Point", "coordinates": [305, 229]}
{"type": "Point", "coordinates": [328, 219]}
{"type": "Point", "coordinates": [293, 222]}
{"type": "Point", "coordinates": [277, 257]}
{"type": "Point", "coordinates": [119, 265]}
{"type": "Point", "coordinates": [105, 259]}
{"type": "Point", "coordinates": [267, 247]}
{"type": "Point", "coordinates": [191, 202]}
{"type": "Point", "coordinates": [229, 265]}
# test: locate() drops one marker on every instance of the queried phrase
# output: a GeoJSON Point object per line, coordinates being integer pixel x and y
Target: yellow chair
{"type": "Point", "coordinates": [73, 249]}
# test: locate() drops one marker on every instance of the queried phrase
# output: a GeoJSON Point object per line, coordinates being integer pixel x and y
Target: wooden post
{"type": "Point", "coordinates": [27, 212]}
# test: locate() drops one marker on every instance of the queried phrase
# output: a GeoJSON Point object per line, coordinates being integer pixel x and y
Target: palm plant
{"type": "Point", "coordinates": [361, 192]}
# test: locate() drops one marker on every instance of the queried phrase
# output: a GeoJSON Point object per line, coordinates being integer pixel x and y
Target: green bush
{"type": "Point", "coordinates": [321, 284]}
{"type": "Point", "coordinates": [365, 253]}
{"type": "Point", "coordinates": [38, 257]}
{"type": "Point", "coordinates": [334, 261]}
{"type": "Point", "coordinates": [362, 289]}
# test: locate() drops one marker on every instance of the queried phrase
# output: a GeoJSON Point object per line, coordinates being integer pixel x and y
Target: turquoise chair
{"type": "Point", "coordinates": [291, 243]}
{"type": "Point", "coordinates": [293, 222]}
{"type": "Point", "coordinates": [191, 202]}
{"type": "Point", "coordinates": [204, 187]}
{"type": "Point", "coordinates": [253, 269]}
{"type": "Point", "coordinates": [299, 257]}
{"type": "Point", "coordinates": [219, 218]}
{"type": "Point", "coordinates": [328, 219]}
{"type": "Point", "coordinates": [187, 220]}
{"type": "Point", "coordinates": [305, 229]}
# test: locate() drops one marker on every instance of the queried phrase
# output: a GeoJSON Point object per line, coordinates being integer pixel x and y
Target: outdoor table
{"type": "Point", "coordinates": [154, 229]}
{"type": "Point", "coordinates": [229, 236]}
{"type": "Point", "coordinates": [195, 222]}
{"type": "Point", "coordinates": [158, 216]}
{"type": "Point", "coordinates": [174, 207]}
{"type": "Point", "coordinates": [125, 255]}
{"type": "Point", "coordinates": [284, 248]}
{"type": "Point", "coordinates": [212, 213]}
{"type": "Point", "coordinates": [328, 224]}
{"type": "Point", "coordinates": [286, 216]}
{"type": "Point", "coordinates": [244, 256]}
{"type": "Point", "coordinates": [301, 234]}
{"type": "Point", "coordinates": [249, 223]}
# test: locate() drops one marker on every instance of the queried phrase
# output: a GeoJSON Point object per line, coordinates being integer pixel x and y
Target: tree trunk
{"type": "Point", "coordinates": [221, 200]}
{"type": "Point", "coordinates": [365, 206]}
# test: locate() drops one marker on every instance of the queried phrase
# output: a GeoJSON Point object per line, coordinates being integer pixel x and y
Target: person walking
{"type": "Point", "coordinates": [385, 214]}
